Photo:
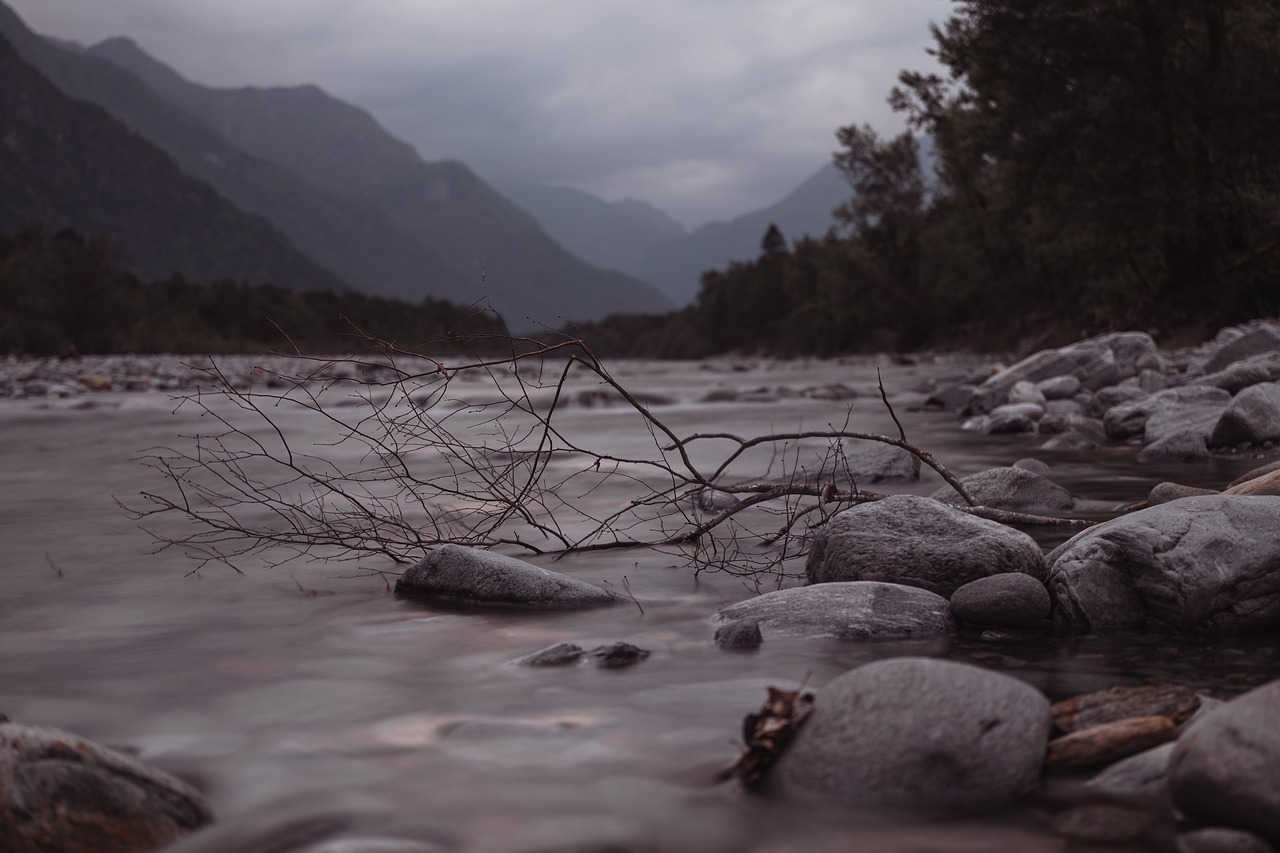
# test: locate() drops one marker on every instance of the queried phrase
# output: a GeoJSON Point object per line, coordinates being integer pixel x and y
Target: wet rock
{"type": "Point", "coordinates": [856, 610]}
{"type": "Point", "coordinates": [1059, 387]}
{"type": "Point", "coordinates": [1115, 395]}
{"type": "Point", "coordinates": [1185, 446]}
{"type": "Point", "coordinates": [1253, 417]}
{"type": "Point", "coordinates": [867, 463]}
{"type": "Point", "coordinates": [1012, 489]}
{"type": "Point", "coordinates": [1165, 492]}
{"type": "Point", "coordinates": [1152, 381]}
{"type": "Point", "coordinates": [1200, 564]}
{"type": "Point", "coordinates": [1103, 744]}
{"type": "Point", "coordinates": [953, 398]}
{"type": "Point", "coordinates": [1259, 340]}
{"type": "Point", "coordinates": [60, 793]}
{"type": "Point", "coordinates": [1062, 409]}
{"type": "Point", "coordinates": [917, 733]}
{"type": "Point", "coordinates": [1174, 701]}
{"type": "Point", "coordinates": [1025, 392]}
{"type": "Point", "coordinates": [618, 655]}
{"type": "Point", "coordinates": [1266, 484]}
{"type": "Point", "coordinates": [1174, 409]}
{"type": "Point", "coordinates": [1012, 418]}
{"type": "Point", "coordinates": [905, 539]}
{"type": "Point", "coordinates": [561, 654]}
{"type": "Point", "coordinates": [1103, 824]}
{"type": "Point", "coordinates": [1071, 439]}
{"type": "Point", "coordinates": [1223, 770]}
{"type": "Point", "coordinates": [1242, 374]}
{"type": "Point", "coordinates": [1255, 473]}
{"type": "Point", "coordinates": [1035, 466]}
{"type": "Point", "coordinates": [481, 577]}
{"type": "Point", "coordinates": [1143, 776]}
{"type": "Point", "coordinates": [1223, 839]}
{"type": "Point", "coordinates": [742, 634]}
{"type": "Point", "coordinates": [1012, 599]}
{"type": "Point", "coordinates": [95, 381]}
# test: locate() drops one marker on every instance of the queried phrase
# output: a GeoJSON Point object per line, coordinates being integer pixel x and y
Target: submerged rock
{"type": "Point", "coordinates": [919, 542]}
{"type": "Point", "coordinates": [917, 733]}
{"type": "Point", "coordinates": [482, 577]}
{"type": "Point", "coordinates": [857, 610]}
{"type": "Point", "coordinates": [742, 634]}
{"type": "Point", "coordinates": [1011, 599]}
{"type": "Point", "coordinates": [60, 793]}
{"type": "Point", "coordinates": [1200, 564]}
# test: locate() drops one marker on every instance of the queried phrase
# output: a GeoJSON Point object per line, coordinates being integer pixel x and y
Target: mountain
{"type": "Point", "coordinates": [676, 265]}
{"type": "Point", "coordinates": [499, 249]}
{"type": "Point", "coordinates": [68, 164]}
{"type": "Point", "coordinates": [611, 235]}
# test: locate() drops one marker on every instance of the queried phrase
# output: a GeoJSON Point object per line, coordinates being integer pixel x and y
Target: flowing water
{"type": "Point", "coordinates": [306, 700]}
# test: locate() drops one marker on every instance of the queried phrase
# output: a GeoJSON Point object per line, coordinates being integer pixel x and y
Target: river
{"type": "Point", "coordinates": [308, 699]}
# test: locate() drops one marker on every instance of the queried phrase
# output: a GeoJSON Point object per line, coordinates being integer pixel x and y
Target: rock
{"type": "Point", "coordinates": [1152, 381]}
{"type": "Point", "coordinates": [1242, 374]}
{"type": "Point", "coordinates": [1223, 839]}
{"type": "Point", "coordinates": [870, 462]}
{"type": "Point", "coordinates": [1200, 564]}
{"type": "Point", "coordinates": [1185, 446]}
{"type": "Point", "coordinates": [1165, 492]}
{"type": "Point", "coordinates": [1108, 742]}
{"type": "Point", "coordinates": [920, 542]}
{"type": "Point", "coordinates": [1176, 702]}
{"type": "Point", "coordinates": [1012, 599]}
{"type": "Point", "coordinates": [953, 398]}
{"type": "Point", "coordinates": [917, 733]}
{"type": "Point", "coordinates": [1186, 402]}
{"type": "Point", "coordinates": [1223, 770]}
{"type": "Point", "coordinates": [1253, 417]}
{"type": "Point", "coordinates": [1267, 484]}
{"type": "Point", "coordinates": [742, 634]}
{"type": "Point", "coordinates": [1059, 387]}
{"type": "Point", "coordinates": [1103, 824]}
{"type": "Point", "coordinates": [1026, 392]}
{"type": "Point", "coordinates": [1142, 776]}
{"type": "Point", "coordinates": [561, 654]}
{"type": "Point", "coordinates": [482, 577]}
{"type": "Point", "coordinates": [1071, 439]}
{"type": "Point", "coordinates": [855, 610]}
{"type": "Point", "coordinates": [1011, 420]}
{"type": "Point", "coordinates": [1198, 417]}
{"type": "Point", "coordinates": [1063, 408]}
{"type": "Point", "coordinates": [1261, 340]}
{"type": "Point", "coordinates": [1255, 473]}
{"type": "Point", "coordinates": [1010, 488]}
{"type": "Point", "coordinates": [1115, 395]}
{"type": "Point", "coordinates": [95, 381]}
{"type": "Point", "coordinates": [1035, 466]}
{"type": "Point", "coordinates": [60, 793]}
{"type": "Point", "coordinates": [617, 655]}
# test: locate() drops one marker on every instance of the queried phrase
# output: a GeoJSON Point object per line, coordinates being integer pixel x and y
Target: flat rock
{"type": "Point", "coordinates": [1252, 417]}
{"type": "Point", "coordinates": [474, 576]}
{"type": "Point", "coordinates": [1173, 408]}
{"type": "Point", "coordinates": [1010, 488]}
{"type": "Point", "coordinates": [1200, 564]}
{"type": "Point", "coordinates": [1108, 742]}
{"type": "Point", "coordinates": [1012, 599]}
{"type": "Point", "coordinates": [858, 610]}
{"type": "Point", "coordinates": [60, 793]}
{"type": "Point", "coordinates": [1174, 701]}
{"type": "Point", "coordinates": [1223, 770]}
{"type": "Point", "coordinates": [906, 539]}
{"type": "Point", "coordinates": [917, 733]}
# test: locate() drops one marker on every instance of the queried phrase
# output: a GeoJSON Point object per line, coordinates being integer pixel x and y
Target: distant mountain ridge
{"type": "Point", "coordinates": [499, 250]}
{"type": "Point", "coordinates": [70, 164]}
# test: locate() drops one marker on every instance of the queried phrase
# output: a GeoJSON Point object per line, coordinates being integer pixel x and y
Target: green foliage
{"type": "Point", "coordinates": [64, 294]}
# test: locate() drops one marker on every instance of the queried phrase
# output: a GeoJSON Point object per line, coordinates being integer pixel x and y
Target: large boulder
{"type": "Point", "coordinates": [457, 573]}
{"type": "Point", "coordinates": [1096, 362]}
{"type": "Point", "coordinates": [1253, 417]}
{"type": "Point", "coordinates": [856, 610]}
{"type": "Point", "coordinates": [1236, 377]}
{"type": "Point", "coordinates": [917, 733]}
{"type": "Point", "coordinates": [60, 793]}
{"type": "Point", "coordinates": [1200, 564]}
{"type": "Point", "coordinates": [1223, 769]}
{"type": "Point", "coordinates": [1238, 344]}
{"type": "Point", "coordinates": [1010, 488]}
{"type": "Point", "coordinates": [906, 539]}
{"type": "Point", "coordinates": [1174, 409]}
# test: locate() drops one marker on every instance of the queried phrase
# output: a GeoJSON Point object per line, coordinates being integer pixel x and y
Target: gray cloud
{"type": "Point", "coordinates": [707, 108]}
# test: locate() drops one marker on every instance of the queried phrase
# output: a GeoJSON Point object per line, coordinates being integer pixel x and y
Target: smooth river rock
{"type": "Point", "coordinates": [1201, 564]}
{"type": "Point", "coordinates": [860, 610]}
{"type": "Point", "coordinates": [917, 733]}
{"type": "Point", "coordinates": [1173, 409]}
{"type": "Point", "coordinates": [1253, 417]}
{"type": "Point", "coordinates": [60, 793]}
{"type": "Point", "coordinates": [474, 576]}
{"type": "Point", "coordinates": [1012, 600]}
{"type": "Point", "coordinates": [1010, 488]}
{"type": "Point", "coordinates": [1224, 768]}
{"type": "Point", "coordinates": [906, 539]}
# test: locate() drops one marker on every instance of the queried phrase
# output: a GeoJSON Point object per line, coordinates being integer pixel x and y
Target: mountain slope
{"type": "Point", "coordinates": [676, 266]}
{"type": "Point", "coordinates": [444, 205]}
{"type": "Point", "coordinates": [68, 164]}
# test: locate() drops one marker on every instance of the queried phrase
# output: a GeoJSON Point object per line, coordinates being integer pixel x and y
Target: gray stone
{"type": "Point", "coordinates": [1242, 374]}
{"type": "Point", "coordinates": [561, 654]}
{"type": "Point", "coordinates": [1165, 492]}
{"type": "Point", "coordinates": [1010, 488]}
{"type": "Point", "coordinates": [60, 793]}
{"type": "Point", "coordinates": [482, 577]}
{"type": "Point", "coordinates": [1059, 387]}
{"type": "Point", "coordinates": [906, 539]}
{"type": "Point", "coordinates": [1200, 564]}
{"type": "Point", "coordinates": [1065, 408]}
{"type": "Point", "coordinates": [1259, 340]}
{"type": "Point", "coordinates": [1141, 777]}
{"type": "Point", "coordinates": [1223, 839]}
{"type": "Point", "coordinates": [954, 398]}
{"type": "Point", "coordinates": [1223, 769]}
{"type": "Point", "coordinates": [1152, 381]}
{"type": "Point", "coordinates": [1185, 446]}
{"type": "Point", "coordinates": [1199, 417]}
{"type": "Point", "coordinates": [1012, 599]}
{"type": "Point", "coordinates": [1010, 420]}
{"type": "Point", "coordinates": [862, 464]}
{"type": "Point", "coordinates": [1026, 392]}
{"type": "Point", "coordinates": [856, 610]}
{"type": "Point", "coordinates": [1074, 438]}
{"type": "Point", "coordinates": [1035, 466]}
{"type": "Point", "coordinates": [742, 634]}
{"type": "Point", "coordinates": [1253, 417]}
{"type": "Point", "coordinates": [1102, 824]}
{"type": "Point", "coordinates": [917, 733]}
{"type": "Point", "coordinates": [1114, 395]}
{"type": "Point", "coordinates": [1129, 419]}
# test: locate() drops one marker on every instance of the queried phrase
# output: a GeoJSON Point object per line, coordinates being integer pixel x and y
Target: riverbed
{"type": "Point", "coordinates": [306, 698]}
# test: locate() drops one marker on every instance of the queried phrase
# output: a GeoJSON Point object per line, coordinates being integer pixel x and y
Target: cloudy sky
{"type": "Point", "coordinates": [706, 108]}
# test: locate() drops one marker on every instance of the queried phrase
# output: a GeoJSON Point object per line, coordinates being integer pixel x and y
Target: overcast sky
{"type": "Point", "coordinates": [706, 108]}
